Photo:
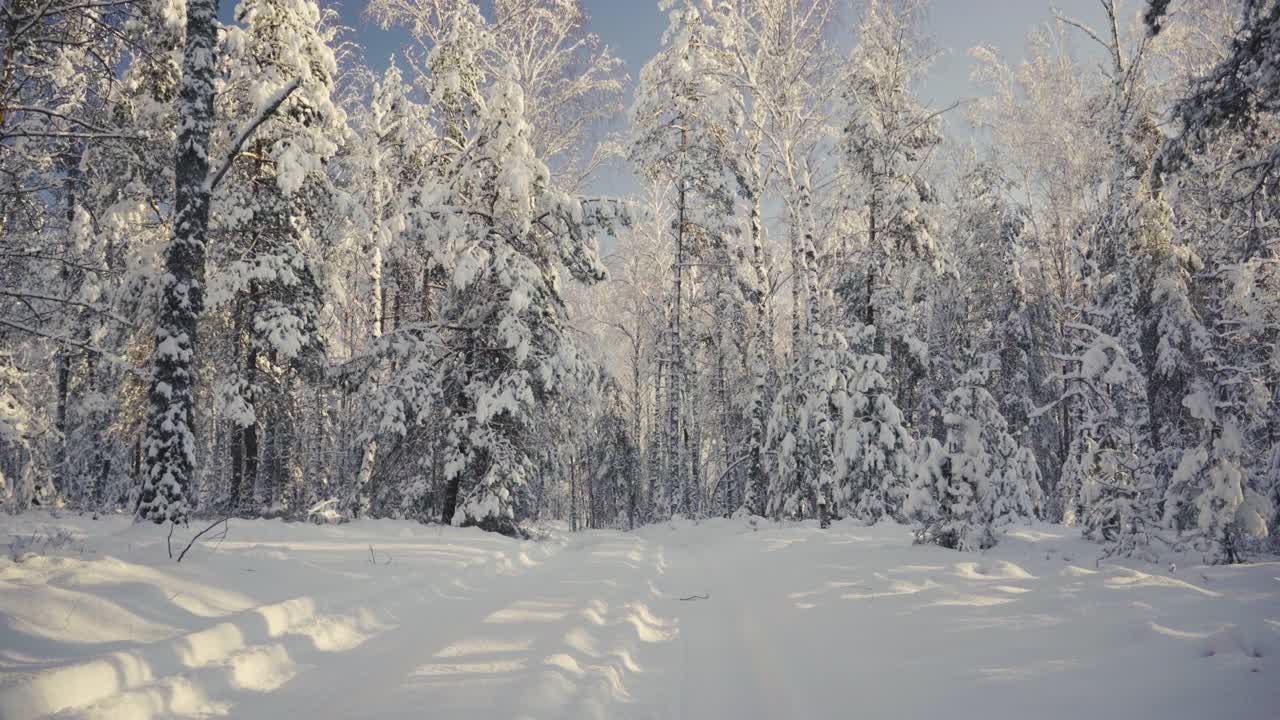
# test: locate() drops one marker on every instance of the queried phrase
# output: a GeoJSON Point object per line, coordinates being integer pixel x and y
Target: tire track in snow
{"type": "Point", "coordinates": [728, 669]}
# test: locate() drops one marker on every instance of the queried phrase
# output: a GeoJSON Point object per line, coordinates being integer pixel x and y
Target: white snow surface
{"type": "Point", "coordinates": [380, 619]}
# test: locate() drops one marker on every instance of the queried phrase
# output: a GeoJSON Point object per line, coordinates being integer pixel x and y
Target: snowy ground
{"type": "Point", "coordinates": [300, 621]}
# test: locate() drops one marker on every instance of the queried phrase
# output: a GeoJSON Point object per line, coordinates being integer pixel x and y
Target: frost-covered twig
{"type": "Point", "coordinates": [94, 307]}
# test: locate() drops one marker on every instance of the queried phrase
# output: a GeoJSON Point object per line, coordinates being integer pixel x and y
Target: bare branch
{"type": "Point", "coordinates": [1082, 28]}
{"type": "Point", "coordinates": [197, 536]}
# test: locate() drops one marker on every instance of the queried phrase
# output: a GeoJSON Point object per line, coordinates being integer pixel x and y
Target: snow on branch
{"type": "Point", "coordinates": [56, 115]}
{"type": "Point", "coordinates": [23, 295]}
{"type": "Point", "coordinates": [1093, 34]}
{"type": "Point", "coordinates": [58, 338]}
{"type": "Point", "coordinates": [249, 128]}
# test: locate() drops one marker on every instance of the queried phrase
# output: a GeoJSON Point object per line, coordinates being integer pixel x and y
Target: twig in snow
{"type": "Point", "coordinates": [697, 597]}
{"type": "Point", "coordinates": [216, 523]}
{"type": "Point", "coordinates": [221, 537]}
{"type": "Point", "coordinates": [67, 620]}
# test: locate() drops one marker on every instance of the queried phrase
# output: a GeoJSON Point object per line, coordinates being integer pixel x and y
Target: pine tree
{"type": "Point", "coordinates": [395, 371]}
{"type": "Point", "coordinates": [268, 268]}
{"type": "Point", "coordinates": [1220, 493]}
{"type": "Point", "coordinates": [504, 233]}
{"type": "Point", "coordinates": [978, 480]}
{"type": "Point", "coordinates": [1173, 335]}
{"type": "Point", "coordinates": [21, 423]}
{"type": "Point", "coordinates": [874, 446]}
{"type": "Point", "coordinates": [887, 140]}
{"type": "Point", "coordinates": [953, 485]}
{"type": "Point", "coordinates": [1110, 467]}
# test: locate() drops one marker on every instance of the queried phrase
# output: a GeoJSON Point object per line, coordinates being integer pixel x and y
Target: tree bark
{"type": "Point", "coordinates": [170, 438]}
{"type": "Point", "coordinates": [675, 385]}
{"type": "Point", "coordinates": [249, 433]}
{"type": "Point", "coordinates": [450, 504]}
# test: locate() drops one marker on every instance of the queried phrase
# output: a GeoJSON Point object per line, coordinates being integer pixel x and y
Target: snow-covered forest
{"type": "Point", "coordinates": [510, 378]}
{"type": "Point", "coordinates": [243, 275]}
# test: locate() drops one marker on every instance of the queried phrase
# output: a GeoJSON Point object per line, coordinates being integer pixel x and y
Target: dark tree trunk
{"type": "Point", "coordinates": [450, 504]}
{"type": "Point", "coordinates": [70, 286]}
{"type": "Point", "coordinates": [249, 435]}
{"type": "Point", "coordinates": [234, 490]}
{"type": "Point", "coordinates": [170, 438]}
{"type": "Point", "coordinates": [236, 450]}
{"type": "Point", "coordinates": [573, 496]}
{"type": "Point", "coordinates": [60, 479]}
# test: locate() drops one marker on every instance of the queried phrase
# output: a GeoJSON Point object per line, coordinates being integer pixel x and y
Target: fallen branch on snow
{"type": "Point", "coordinates": [216, 523]}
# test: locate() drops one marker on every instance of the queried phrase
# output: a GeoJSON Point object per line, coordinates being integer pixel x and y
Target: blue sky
{"type": "Point", "coordinates": [633, 28]}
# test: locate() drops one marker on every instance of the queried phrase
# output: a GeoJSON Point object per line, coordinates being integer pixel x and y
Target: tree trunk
{"type": "Point", "coordinates": [61, 481]}
{"type": "Point", "coordinates": [234, 489]}
{"type": "Point", "coordinates": [170, 437]}
{"type": "Point", "coordinates": [236, 485]}
{"type": "Point", "coordinates": [450, 504]}
{"type": "Point", "coordinates": [589, 479]}
{"type": "Point", "coordinates": [573, 496]}
{"type": "Point", "coordinates": [676, 480]}
{"type": "Point", "coordinates": [797, 284]}
{"type": "Point", "coordinates": [249, 436]}
{"type": "Point", "coordinates": [761, 343]}
{"type": "Point", "coordinates": [657, 450]}
{"type": "Point", "coordinates": [637, 421]}
{"type": "Point", "coordinates": [70, 161]}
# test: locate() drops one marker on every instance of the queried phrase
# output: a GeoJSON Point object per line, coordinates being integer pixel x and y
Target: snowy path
{"type": "Point", "coordinates": [295, 621]}
{"type": "Point", "coordinates": [728, 668]}
{"type": "Point", "coordinates": [564, 637]}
